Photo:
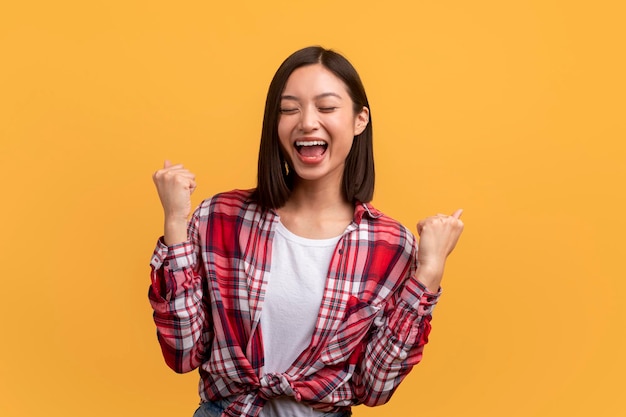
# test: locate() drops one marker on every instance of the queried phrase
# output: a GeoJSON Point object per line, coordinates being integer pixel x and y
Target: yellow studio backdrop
{"type": "Point", "coordinates": [512, 110]}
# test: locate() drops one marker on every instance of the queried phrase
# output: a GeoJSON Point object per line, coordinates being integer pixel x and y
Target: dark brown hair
{"type": "Point", "coordinates": [275, 180]}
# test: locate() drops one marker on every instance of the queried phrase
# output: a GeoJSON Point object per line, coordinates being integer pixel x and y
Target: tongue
{"type": "Point", "coordinates": [311, 151]}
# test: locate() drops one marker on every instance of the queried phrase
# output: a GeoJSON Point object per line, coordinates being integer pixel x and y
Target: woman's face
{"type": "Point", "coordinates": [317, 123]}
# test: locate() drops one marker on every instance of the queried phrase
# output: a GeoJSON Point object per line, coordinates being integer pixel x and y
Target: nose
{"type": "Point", "coordinates": [308, 119]}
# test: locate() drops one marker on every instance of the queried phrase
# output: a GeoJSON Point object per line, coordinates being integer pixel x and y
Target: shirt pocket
{"type": "Point", "coordinates": [350, 339]}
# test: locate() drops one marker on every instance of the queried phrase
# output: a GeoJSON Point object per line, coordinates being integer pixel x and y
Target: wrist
{"type": "Point", "coordinates": [175, 231]}
{"type": "Point", "coordinates": [430, 276]}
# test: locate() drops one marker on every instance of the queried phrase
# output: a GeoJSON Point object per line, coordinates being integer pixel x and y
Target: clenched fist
{"type": "Point", "coordinates": [175, 184]}
{"type": "Point", "coordinates": [438, 236]}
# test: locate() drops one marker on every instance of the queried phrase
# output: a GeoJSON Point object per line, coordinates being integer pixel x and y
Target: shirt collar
{"type": "Point", "coordinates": [360, 209]}
{"type": "Point", "coordinates": [365, 209]}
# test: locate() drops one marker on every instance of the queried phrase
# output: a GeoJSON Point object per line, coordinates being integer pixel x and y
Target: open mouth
{"type": "Point", "coordinates": [311, 148]}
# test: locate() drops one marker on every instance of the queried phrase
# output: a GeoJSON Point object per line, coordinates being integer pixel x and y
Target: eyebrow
{"type": "Point", "coordinates": [317, 97]}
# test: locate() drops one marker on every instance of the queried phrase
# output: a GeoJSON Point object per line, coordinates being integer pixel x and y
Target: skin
{"type": "Point", "coordinates": [315, 106]}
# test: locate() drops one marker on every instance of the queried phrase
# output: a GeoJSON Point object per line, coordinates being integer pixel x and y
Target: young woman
{"type": "Point", "coordinates": [297, 298]}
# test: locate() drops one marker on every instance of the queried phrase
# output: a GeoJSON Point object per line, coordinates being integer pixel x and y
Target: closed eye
{"type": "Point", "coordinates": [327, 109]}
{"type": "Point", "coordinates": [290, 110]}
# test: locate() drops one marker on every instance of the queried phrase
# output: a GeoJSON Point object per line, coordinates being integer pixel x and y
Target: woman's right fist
{"type": "Point", "coordinates": [175, 184]}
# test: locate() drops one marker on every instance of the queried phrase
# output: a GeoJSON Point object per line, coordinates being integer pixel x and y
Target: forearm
{"type": "Point", "coordinates": [176, 296]}
{"type": "Point", "coordinates": [395, 346]}
{"type": "Point", "coordinates": [180, 330]}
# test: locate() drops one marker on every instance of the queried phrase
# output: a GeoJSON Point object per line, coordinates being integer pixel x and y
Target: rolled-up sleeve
{"type": "Point", "coordinates": [176, 296]}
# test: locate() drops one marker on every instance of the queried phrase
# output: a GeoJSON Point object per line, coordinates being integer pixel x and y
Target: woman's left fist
{"type": "Point", "coordinates": [438, 236]}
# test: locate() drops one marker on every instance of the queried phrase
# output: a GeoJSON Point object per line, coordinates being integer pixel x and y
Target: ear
{"type": "Point", "coordinates": [361, 120]}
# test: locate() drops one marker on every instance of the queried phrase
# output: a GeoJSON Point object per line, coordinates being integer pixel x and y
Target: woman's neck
{"type": "Point", "coordinates": [316, 211]}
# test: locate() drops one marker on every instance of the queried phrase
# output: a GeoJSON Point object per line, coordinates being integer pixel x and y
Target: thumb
{"type": "Point", "coordinates": [167, 163]}
{"type": "Point", "coordinates": [457, 214]}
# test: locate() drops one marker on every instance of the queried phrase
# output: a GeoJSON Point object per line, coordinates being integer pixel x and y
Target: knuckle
{"type": "Point", "coordinates": [158, 176]}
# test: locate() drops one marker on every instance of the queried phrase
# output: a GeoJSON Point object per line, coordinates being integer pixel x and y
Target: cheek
{"type": "Point", "coordinates": [286, 124]}
{"type": "Point", "coordinates": [283, 131]}
{"type": "Point", "coordinates": [284, 139]}
{"type": "Point", "coordinates": [346, 127]}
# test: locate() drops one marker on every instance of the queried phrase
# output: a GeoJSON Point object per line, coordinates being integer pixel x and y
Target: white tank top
{"type": "Point", "coordinates": [293, 296]}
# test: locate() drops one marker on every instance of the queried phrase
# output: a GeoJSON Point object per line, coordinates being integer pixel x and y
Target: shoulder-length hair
{"type": "Point", "coordinates": [275, 179]}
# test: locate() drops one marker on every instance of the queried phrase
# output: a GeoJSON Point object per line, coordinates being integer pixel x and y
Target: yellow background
{"type": "Point", "coordinates": [514, 111]}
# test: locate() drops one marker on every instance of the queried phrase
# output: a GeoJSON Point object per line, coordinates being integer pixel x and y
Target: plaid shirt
{"type": "Point", "coordinates": [207, 295]}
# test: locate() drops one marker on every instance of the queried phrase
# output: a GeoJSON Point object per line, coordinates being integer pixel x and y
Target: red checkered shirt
{"type": "Point", "coordinates": [207, 295]}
